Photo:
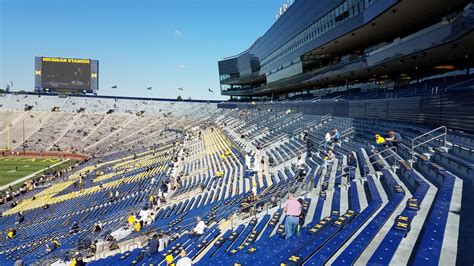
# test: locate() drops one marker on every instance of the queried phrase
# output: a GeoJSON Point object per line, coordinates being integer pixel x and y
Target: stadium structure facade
{"type": "Point", "coordinates": [352, 44]}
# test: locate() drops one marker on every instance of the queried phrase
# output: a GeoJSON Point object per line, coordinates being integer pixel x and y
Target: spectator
{"type": "Point", "coordinates": [51, 246]}
{"type": "Point", "coordinates": [137, 226]}
{"type": "Point", "coordinates": [97, 227]}
{"type": "Point", "coordinates": [20, 218]}
{"type": "Point", "coordinates": [379, 140]}
{"type": "Point", "coordinates": [336, 136]}
{"type": "Point", "coordinates": [302, 216]}
{"type": "Point", "coordinates": [184, 260]}
{"type": "Point", "coordinates": [394, 138]}
{"type": "Point", "coordinates": [74, 229]}
{"type": "Point", "coordinates": [254, 188]}
{"type": "Point", "coordinates": [328, 158]}
{"type": "Point", "coordinates": [169, 260]}
{"type": "Point", "coordinates": [131, 219]}
{"type": "Point", "coordinates": [152, 200]}
{"type": "Point", "coordinates": [11, 233]}
{"type": "Point", "coordinates": [292, 209]}
{"type": "Point", "coordinates": [164, 188]}
{"type": "Point", "coordinates": [166, 239]}
{"type": "Point", "coordinates": [327, 140]}
{"type": "Point", "coordinates": [199, 229]}
{"type": "Point", "coordinates": [153, 244]}
{"type": "Point", "coordinates": [19, 262]}
{"type": "Point", "coordinates": [351, 160]}
{"type": "Point", "coordinates": [111, 196]}
{"type": "Point", "coordinates": [80, 261]}
{"type": "Point", "coordinates": [161, 243]}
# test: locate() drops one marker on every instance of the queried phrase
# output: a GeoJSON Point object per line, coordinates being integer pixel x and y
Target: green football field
{"type": "Point", "coordinates": [12, 168]}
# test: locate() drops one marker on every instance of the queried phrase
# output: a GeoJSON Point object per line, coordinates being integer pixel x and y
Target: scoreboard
{"type": "Point", "coordinates": [59, 74]}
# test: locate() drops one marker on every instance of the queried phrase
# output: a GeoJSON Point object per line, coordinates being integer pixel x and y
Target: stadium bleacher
{"type": "Point", "coordinates": [388, 209]}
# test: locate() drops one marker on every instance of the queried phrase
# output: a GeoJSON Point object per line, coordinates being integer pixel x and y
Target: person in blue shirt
{"type": "Point", "coordinates": [153, 244]}
{"type": "Point", "coordinates": [394, 138]}
{"type": "Point", "coordinates": [335, 135]}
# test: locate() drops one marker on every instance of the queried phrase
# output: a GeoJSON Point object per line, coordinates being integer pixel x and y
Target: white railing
{"type": "Point", "coordinates": [393, 153]}
{"type": "Point", "coordinates": [325, 118]}
{"type": "Point", "coordinates": [318, 98]}
{"type": "Point", "coordinates": [335, 99]}
{"type": "Point", "coordinates": [416, 142]}
{"type": "Point", "coordinates": [348, 132]}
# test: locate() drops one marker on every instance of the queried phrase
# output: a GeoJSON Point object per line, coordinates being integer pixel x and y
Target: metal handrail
{"type": "Point", "coordinates": [325, 117]}
{"type": "Point", "coordinates": [347, 132]}
{"type": "Point", "coordinates": [394, 153]}
{"type": "Point", "coordinates": [335, 99]}
{"type": "Point", "coordinates": [318, 98]}
{"type": "Point", "coordinates": [413, 146]}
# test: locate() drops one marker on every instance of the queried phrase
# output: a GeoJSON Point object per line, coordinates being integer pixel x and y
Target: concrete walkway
{"type": "Point", "coordinates": [25, 178]}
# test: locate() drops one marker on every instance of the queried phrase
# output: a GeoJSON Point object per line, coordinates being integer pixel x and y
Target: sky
{"type": "Point", "coordinates": [139, 43]}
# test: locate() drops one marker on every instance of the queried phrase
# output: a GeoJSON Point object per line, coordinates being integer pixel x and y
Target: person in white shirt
{"type": "Point", "coordinates": [200, 227]}
{"type": "Point", "coordinates": [184, 260]}
{"type": "Point", "coordinates": [166, 239]}
{"type": "Point", "coordinates": [254, 190]}
{"type": "Point", "coordinates": [161, 243]}
{"type": "Point", "coordinates": [327, 140]}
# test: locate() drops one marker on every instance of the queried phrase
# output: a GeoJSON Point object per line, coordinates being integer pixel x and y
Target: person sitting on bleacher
{"type": "Point", "coordinates": [169, 260]}
{"type": "Point", "coordinates": [162, 198]}
{"type": "Point", "coordinates": [199, 229]}
{"type": "Point", "coordinates": [51, 246]}
{"type": "Point", "coordinates": [184, 260]}
{"type": "Point", "coordinates": [131, 219]}
{"type": "Point", "coordinates": [111, 196]}
{"type": "Point", "coordinates": [327, 140]}
{"type": "Point", "coordinates": [351, 163]}
{"type": "Point", "coordinates": [20, 218]}
{"type": "Point", "coordinates": [97, 227]}
{"type": "Point", "coordinates": [335, 135]}
{"type": "Point", "coordinates": [19, 261]}
{"type": "Point", "coordinates": [11, 233]}
{"type": "Point", "coordinates": [328, 158]}
{"type": "Point", "coordinates": [137, 226]}
{"type": "Point", "coordinates": [74, 229]}
{"type": "Point", "coordinates": [394, 138]}
{"type": "Point", "coordinates": [164, 188]}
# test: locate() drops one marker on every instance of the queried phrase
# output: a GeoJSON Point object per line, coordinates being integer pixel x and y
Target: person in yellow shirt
{"type": "Point", "coordinates": [152, 200]}
{"type": "Point", "coordinates": [379, 139]}
{"type": "Point", "coordinates": [131, 219]}
{"type": "Point", "coordinates": [11, 233]}
{"type": "Point", "coordinates": [169, 260]}
{"type": "Point", "coordinates": [111, 196]}
{"type": "Point", "coordinates": [137, 226]}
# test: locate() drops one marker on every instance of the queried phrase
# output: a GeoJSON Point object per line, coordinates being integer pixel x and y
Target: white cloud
{"type": "Point", "coordinates": [180, 66]}
{"type": "Point", "coordinates": [177, 33]}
